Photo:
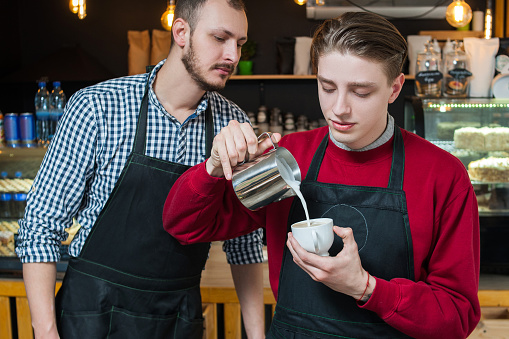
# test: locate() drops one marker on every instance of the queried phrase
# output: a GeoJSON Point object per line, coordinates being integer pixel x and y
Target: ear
{"type": "Point", "coordinates": [180, 31]}
{"type": "Point", "coordinates": [397, 86]}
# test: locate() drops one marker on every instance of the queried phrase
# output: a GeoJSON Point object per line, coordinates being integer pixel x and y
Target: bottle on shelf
{"type": "Point", "coordinates": [263, 120]}
{"type": "Point", "coordinates": [289, 125]}
{"type": "Point", "coordinates": [302, 123]}
{"type": "Point", "coordinates": [19, 196]}
{"type": "Point", "coordinates": [57, 104]}
{"type": "Point", "coordinates": [5, 203]}
{"type": "Point", "coordinates": [276, 121]}
{"type": "Point", "coordinates": [42, 110]}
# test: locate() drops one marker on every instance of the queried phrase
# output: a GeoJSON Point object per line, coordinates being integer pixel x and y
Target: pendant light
{"type": "Point", "coordinates": [82, 9]}
{"type": "Point", "coordinates": [73, 6]}
{"type": "Point", "coordinates": [167, 17]}
{"type": "Point", "coordinates": [303, 2]}
{"type": "Point", "coordinates": [458, 13]}
{"type": "Point", "coordinates": [488, 24]}
{"type": "Point", "coordinates": [78, 7]}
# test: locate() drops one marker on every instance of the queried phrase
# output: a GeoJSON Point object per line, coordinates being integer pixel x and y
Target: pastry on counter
{"type": "Point", "coordinates": [469, 138]}
{"type": "Point", "coordinates": [482, 139]}
{"type": "Point", "coordinates": [489, 169]}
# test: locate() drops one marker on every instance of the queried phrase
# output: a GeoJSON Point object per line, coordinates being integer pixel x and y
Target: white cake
{"type": "Point", "coordinates": [471, 138]}
{"type": "Point", "coordinates": [489, 169]}
{"type": "Point", "coordinates": [482, 139]}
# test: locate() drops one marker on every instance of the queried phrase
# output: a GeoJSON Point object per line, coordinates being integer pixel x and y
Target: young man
{"type": "Point", "coordinates": [120, 146]}
{"type": "Point", "coordinates": [405, 210]}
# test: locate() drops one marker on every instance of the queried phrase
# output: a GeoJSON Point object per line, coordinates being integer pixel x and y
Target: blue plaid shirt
{"type": "Point", "coordinates": [87, 155]}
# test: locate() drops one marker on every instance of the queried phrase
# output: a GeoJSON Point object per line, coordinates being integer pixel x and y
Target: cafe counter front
{"type": "Point", "coordinates": [221, 307]}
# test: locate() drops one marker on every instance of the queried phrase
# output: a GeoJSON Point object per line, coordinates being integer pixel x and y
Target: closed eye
{"type": "Point", "coordinates": [362, 95]}
{"type": "Point", "coordinates": [328, 90]}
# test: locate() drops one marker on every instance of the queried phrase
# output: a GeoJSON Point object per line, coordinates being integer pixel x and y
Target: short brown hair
{"type": "Point", "coordinates": [362, 34]}
{"type": "Point", "coordinates": [189, 10]}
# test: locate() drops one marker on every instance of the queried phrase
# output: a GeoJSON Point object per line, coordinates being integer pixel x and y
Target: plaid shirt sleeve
{"type": "Point", "coordinates": [246, 249]}
{"type": "Point", "coordinates": [59, 186]}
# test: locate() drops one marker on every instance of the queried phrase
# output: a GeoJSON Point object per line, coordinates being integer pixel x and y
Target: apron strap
{"type": "Point", "coordinates": [209, 130]}
{"type": "Point", "coordinates": [397, 167]}
{"type": "Point", "coordinates": [398, 161]}
{"type": "Point", "coordinates": [141, 128]}
{"type": "Point", "coordinates": [316, 163]}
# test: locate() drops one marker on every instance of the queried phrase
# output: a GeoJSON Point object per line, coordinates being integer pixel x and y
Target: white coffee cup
{"type": "Point", "coordinates": [317, 238]}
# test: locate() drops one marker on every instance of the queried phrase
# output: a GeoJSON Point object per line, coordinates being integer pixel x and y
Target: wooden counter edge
{"type": "Point", "coordinates": [16, 288]}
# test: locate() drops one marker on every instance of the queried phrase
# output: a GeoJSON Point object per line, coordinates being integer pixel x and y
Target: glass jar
{"type": "Point", "coordinates": [456, 72]}
{"type": "Point", "coordinates": [428, 77]}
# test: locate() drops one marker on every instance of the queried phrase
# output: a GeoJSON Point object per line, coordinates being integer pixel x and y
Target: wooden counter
{"type": "Point", "coordinates": [216, 288]}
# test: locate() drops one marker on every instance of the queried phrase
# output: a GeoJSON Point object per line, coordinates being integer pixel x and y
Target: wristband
{"type": "Point", "coordinates": [365, 289]}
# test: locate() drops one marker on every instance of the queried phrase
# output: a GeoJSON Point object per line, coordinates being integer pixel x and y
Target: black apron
{"type": "Point", "coordinates": [379, 219]}
{"type": "Point", "coordinates": [132, 279]}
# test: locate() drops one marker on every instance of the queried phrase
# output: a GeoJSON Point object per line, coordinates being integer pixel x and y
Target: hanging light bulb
{"type": "Point", "coordinates": [320, 2]}
{"type": "Point", "coordinates": [82, 9]}
{"type": "Point", "coordinates": [458, 13]}
{"type": "Point", "coordinates": [300, 2]}
{"type": "Point", "coordinates": [488, 24]}
{"type": "Point", "coordinates": [167, 17]}
{"type": "Point", "coordinates": [73, 6]}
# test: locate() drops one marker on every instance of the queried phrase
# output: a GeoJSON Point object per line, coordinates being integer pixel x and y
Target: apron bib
{"type": "Point", "coordinates": [379, 219]}
{"type": "Point", "coordinates": [132, 279]}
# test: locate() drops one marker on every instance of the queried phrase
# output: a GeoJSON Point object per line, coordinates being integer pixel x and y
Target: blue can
{"type": "Point", "coordinates": [27, 130]}
{"type": "Point", "coordinates": [11, 129]}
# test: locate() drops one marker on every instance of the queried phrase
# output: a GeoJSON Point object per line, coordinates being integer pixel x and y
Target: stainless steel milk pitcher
{"type": "Point", "coordinates": [258, 182]}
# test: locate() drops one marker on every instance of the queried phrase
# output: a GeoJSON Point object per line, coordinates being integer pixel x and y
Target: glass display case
{"type": "Point", "coordinates": [18, 167]}
{"type": "Point", "coordinates": [476, 130]}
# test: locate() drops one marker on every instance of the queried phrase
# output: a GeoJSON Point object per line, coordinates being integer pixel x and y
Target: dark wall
{"type": "Point", "coordinates": [33, 30]}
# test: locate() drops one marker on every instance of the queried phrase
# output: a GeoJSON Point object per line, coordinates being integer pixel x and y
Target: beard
{"type": "Point", "coordinates": [191, 63]}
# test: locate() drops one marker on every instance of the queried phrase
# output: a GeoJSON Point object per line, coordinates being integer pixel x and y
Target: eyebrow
{"type": "Point", "coordinates": [350, 84]}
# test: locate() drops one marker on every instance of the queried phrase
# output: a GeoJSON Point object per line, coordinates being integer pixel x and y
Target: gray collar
{"type": "Point", "coordinates": [386, 136]}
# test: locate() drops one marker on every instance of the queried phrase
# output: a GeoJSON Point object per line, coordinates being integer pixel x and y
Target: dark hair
{"type": "Point", "coordinates": [189, 10]}
{"type": "Point", "coordinates": [362, 34]}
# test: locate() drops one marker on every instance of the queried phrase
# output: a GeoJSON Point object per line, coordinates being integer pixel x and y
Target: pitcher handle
{"type": "Point", "coordinates": [267, 135]}
{"type": "Point", "coordinates": [261, 137]}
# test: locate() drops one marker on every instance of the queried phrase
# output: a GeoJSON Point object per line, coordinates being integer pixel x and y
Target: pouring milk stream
{"type": "Point", "coordinates": [287, 175]}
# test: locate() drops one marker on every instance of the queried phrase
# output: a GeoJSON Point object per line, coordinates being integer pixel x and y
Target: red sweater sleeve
{"type": "Point", "coordinates": [199, 208]}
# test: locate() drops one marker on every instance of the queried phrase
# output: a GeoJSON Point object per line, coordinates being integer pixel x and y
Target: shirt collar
{"type": "Point", "coordinates": [386, 136]}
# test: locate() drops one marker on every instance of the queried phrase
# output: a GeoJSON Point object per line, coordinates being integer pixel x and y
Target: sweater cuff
{"type": "Point", "coordinates": [384, 300]}
{"type": "Point", "coordinates": [203, 184]}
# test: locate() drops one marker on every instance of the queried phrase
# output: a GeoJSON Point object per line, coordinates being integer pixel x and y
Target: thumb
{"type": "Point", "coordinates": [268, 142]}
{"type": "Point", "coordinates": [345, 233]}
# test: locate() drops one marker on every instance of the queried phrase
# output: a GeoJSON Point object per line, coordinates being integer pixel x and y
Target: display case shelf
{"type": "Point", "coordinates": [23, 152]}
{"type": "Point", "coordinates": [442, 120]}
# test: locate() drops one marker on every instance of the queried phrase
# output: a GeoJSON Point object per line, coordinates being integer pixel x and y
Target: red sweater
{"type": "Point", "coordinates": [443, 216]}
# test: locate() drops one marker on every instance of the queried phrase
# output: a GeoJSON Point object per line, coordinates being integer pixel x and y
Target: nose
{"type": "Point", "coordinates": [341, 105]}
{"type": "Point", "coordinates": [232, 51]}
